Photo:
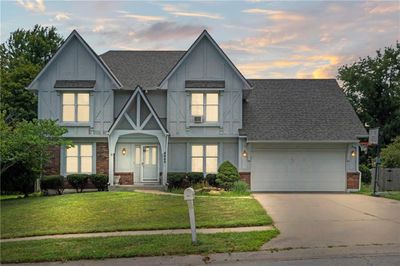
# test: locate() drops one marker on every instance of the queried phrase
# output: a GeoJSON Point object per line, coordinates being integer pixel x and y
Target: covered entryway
{"type": "Point", "coordinates": [138, 144]}
{"type": "Point", "coordinates": [298, 169]}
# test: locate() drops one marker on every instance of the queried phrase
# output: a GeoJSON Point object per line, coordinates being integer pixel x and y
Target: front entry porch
{"type": "Point", "coordinates": [137, 163]}
{"type": "Point", "coordinates": [138, 144]}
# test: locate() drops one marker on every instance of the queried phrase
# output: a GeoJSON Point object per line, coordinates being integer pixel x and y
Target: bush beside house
{"type": "Point", "coordinates": [100, 181]}
{"type": "Point", "coordinates": [227, 175]}
{"type": "Point", "coordinates": [78, 181]}
{"type": "Point", "coordinates": [55, 182]}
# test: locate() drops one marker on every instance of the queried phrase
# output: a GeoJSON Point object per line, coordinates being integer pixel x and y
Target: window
{"type": "Point", "coordinates": [205, 105]}
{"type": "Point", "coordinates": [205, 158]}
{"type": "Point", "coordinates": [75, 107]}
{"type": "Point", "coordinates": [79, 159]}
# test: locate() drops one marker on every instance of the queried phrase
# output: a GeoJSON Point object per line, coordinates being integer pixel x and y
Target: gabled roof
{"type": "Point", "coordinates": [205, 34]}
{"type": "Point", "coordinates": [138, 125]}
{"type": "Point", "coordinates": [143, 68]}
{"type": "Point", "coordinates": [75, 34]}
{"type": "Point", "coordinates": [299, 110]}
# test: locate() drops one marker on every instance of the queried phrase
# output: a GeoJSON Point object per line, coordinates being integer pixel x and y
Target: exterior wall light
{"type": "Point", "coordinates": [353, 153]}
{"type": "Point", "coordinates": [123, 151]}
{"type": "Point", "coordinates": [244, 153]}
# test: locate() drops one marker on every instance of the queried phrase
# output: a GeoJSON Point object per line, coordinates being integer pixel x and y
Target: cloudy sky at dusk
{"type": "Point", "coordinates": [264, 39]}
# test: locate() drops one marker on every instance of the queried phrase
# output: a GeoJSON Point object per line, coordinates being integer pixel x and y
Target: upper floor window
{"type": "Point", "coordinates": [75, 107]}
{"type": "Point", "coordinates": [205, 158]}
{"type": "Point", "coordinates": [79, 159]}
{"type": "Point", "coordinates": [205, 105]}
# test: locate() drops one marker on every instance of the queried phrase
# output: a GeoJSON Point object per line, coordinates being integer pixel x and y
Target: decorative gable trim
{"type": "Point", "coordinates": [138, 125]}
{"type": "Point", "coordinates": [74, 33]}
{"type": "Point", "coordinates": [205, 34]}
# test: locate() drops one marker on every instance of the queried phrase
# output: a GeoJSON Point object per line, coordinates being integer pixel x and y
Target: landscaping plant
{"type": "Point", "coordinates": [365, 174]}
{"type": "Point", "coordinates": [227, 175]}
{"type": "Point", "coordinates": [78, 181]}
{"type": "Point", "coordinates": [100, 181]}
{"type": "Point", "coordinates": [55, 182]}
{"type": "Point", "coordinates": [210, 179]}
{"type": "Point", "coordinates": [241, 188]}
{"type": "Point", "coordinates": [175, 180]}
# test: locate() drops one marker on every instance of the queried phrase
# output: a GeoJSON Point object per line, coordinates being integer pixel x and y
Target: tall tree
{"type": "Point", "coordinates": [22, 56]}
{"type": "Point", "coordinates": [372, 85]}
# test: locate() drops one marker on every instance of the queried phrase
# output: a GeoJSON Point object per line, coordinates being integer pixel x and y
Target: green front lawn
{"type": "Point", "coordinates": [131, 246]}
{"type": "Point", "coordinates": [118, 211]}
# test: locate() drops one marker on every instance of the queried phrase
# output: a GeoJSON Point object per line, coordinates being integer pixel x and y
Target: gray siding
{"type": "Point", "coordinates": [204, 63]}
{"type": "Point", "coordinates": [76, 63]}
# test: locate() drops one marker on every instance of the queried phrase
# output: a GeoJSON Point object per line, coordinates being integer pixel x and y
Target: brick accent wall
{"type": "Point", "coordinates": [102, 158]}
{"type": "Point", "coordinates": [126, 178]}
{"type": "Point", "coordinates": [353, 179]}
{"type": "Point", "coordinates": [246, 177]}
{"type": "Point", "coordinates": [53, 167]}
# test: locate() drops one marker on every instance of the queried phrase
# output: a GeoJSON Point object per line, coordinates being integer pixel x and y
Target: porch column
{"type": "Point", "coordinates": [163, 140]}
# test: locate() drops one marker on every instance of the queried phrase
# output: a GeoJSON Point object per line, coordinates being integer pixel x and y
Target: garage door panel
{"type": "Point", "coordinates": [298, 170]}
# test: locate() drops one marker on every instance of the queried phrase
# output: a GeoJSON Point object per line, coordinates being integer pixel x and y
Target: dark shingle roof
{"type": "Point", "coordinates": [144, 68]}
{"type": "Point", "coordinates": [297, 109]}
{"type": "Point", "coordinates": [74, 84]}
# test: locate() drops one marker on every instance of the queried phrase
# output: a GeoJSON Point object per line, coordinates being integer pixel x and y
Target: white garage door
{"type": "Point", "coordinates": [298, 170]}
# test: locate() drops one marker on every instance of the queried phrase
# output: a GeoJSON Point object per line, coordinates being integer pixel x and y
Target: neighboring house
{"type": "Point", "coordinates": [137, 115]}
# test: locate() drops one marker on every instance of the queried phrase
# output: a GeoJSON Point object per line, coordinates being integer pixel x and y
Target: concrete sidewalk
{"type": "Point", "coordinates": [145, 232]}
{"type": "Point", "coordinates": [349, 255]}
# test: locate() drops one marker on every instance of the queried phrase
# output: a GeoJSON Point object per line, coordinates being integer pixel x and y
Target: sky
{"type": "Point", "coordinates": [264, 39]}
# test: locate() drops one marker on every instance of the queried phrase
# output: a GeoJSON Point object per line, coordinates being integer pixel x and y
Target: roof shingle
{"type": "Point", "coordinates": [299, 110]}
{"type": "Point", "coordinates": [143, 68]}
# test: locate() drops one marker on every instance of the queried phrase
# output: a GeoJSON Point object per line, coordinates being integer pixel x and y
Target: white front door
{"type": "Point", "coordinates": [149, 162]}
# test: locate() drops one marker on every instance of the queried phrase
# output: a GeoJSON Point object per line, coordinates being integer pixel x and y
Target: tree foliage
{"type": "Point", "coordinates": [372, 85]}
{"type": "Point", "coordinates": [22, 56]}
{"type": "Point", "coordinates": [26, 145]}
{"type": "Point", "coordinates": [391, 154]}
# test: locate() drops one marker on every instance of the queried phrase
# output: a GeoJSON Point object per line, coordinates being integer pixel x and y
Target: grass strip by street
{"type": "Point", "coordinates": [131, 246]}
{"type": "Point", "coordinates": [122, 211]}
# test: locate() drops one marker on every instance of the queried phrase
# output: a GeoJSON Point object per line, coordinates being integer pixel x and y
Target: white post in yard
{"type": "Point", "coordinates": [188, 195]}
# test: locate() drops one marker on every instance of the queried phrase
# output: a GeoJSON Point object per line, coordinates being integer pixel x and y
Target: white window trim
{"type": "Point", "coordinates": [204, 157]}
{"type": "Point", "coordinates": [64, 159]}
{"type": "Point", "coordinates": [205, 122]}
{"type": "Point", "coordinates": [76, 122]}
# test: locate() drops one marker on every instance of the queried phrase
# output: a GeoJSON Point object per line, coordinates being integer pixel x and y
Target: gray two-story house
{"type": "Point", "coordinates": [137, 115]}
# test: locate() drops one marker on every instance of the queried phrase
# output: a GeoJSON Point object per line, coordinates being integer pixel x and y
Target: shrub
{"type": "Point", "coordinates": [195, 177]}
{"type": "Point", "coordinates": [210, 178]}
{"type": "Point", "coordinates": [18, 178]}
{"type": "Point", "coordinates": [365, 174]}
{"type": "Point", "coordinates": [240, 187]}
{"type": "Point", "coordinates": [391, 154]}
{"type": "Point", "coordinates": [100, 181]}
{"type": "Point", "coordinates": [55, 182]}
{"type": "Point", "coordinates": [227, 175]}
{"type": "Point", "coordinates": [78, 181]}
{"type": "Point", "coordinates": [176, 180]}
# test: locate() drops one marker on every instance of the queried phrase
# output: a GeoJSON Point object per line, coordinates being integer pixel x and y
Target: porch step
{"type": "Point", "coordinates": [137, 187]}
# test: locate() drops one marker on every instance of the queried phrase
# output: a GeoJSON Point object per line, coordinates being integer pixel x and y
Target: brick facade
{"type": "Point", "coordinates": [125, 178]}
{"type": "Point", "coordinates": [102, 158]}
{"type": "Point", "coordinates": [353, 179]}
{"type": "Point", "coordinates": [53, 167]}
{"type": "Point", "coordinates": [246, 177]}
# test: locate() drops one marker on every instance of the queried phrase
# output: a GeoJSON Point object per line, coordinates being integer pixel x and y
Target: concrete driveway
{"type": "Point", "coordinates": [325, 220]}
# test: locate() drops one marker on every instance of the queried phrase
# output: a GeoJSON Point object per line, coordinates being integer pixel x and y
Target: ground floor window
{"type": "Point", "coordinates": [79, 159]}
{"type": "Point", "coordinates": [204, 158]}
